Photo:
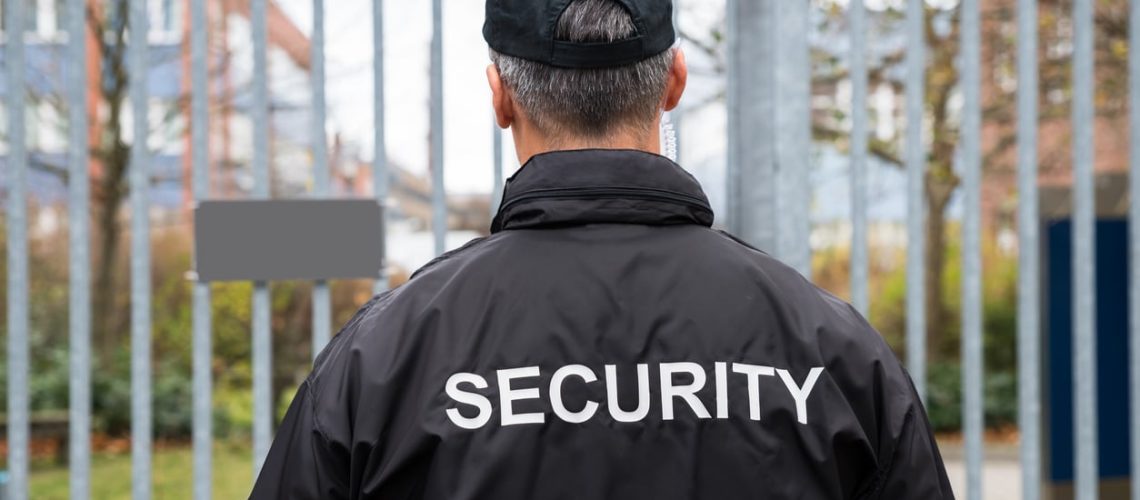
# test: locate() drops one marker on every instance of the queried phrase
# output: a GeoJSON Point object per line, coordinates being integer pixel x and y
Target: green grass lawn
{"type": "Point", "coordinates": [173, 470]}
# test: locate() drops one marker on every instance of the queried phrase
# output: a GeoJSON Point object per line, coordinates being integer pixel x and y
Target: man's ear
{"type": "Point", "coordinates": [678, 78]}
{"type": "Point", "coordinates": [500, 98]}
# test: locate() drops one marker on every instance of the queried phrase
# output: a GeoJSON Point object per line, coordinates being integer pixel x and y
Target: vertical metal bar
{"type": "Point", "coordinates": [1134, 250]}
{"type": "Point", "coordinates": [322, 313]}
{"type": "Point", "coordinates": [860, 297]}
{"type": "Point", "coordinates": [262, 336]}
{"type": "Point", "coordinates": [759, 176]}
{"type": "Point", "coordinates": [140, 256]}
{"type": "Point", "coordinates": [262, 375]}
{"type": "Point", "coordinates": [792, 135]}
{"type": "Point", "coordinates": [753, 136]}
{"type": "Point", "coordinates": [1084, 255]}
{"type": "Point", "coordinates": [1134, 242]}
{"type": "Point", "coordinates": [200, 158]}
{"type": "Point", "coordinates": [80, 261]}
{"type": "Point", "coordinates": [17, 162]}
{"type": "Point", "coordinates": [971, 157]}
{"type": "Point", "coordinates": [380, 154]}
{"type": "Point", "coordinates": [438, 195]}
{"type": "Point", "coordinates": [732, 217]}
{"type": "Point", "coordinates": [1028, 281]}
{"type": "Point", "coordinates": [497, 165]}
{"type": "Point", "coordinates": [916, 209]}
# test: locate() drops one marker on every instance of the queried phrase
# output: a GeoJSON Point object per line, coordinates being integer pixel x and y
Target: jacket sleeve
{"type": "Point", "coordinates": [311, 456]}
{"type": "Point", "coordinates": [303, 462]}
{"type": "Point", "coordinates": [878, 389]}
{"type": "Point", "coordinates": [913, 468]}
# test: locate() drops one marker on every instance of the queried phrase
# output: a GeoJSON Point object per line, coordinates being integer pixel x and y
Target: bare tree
{"type": "Point", "coordinates": [107, 26]}
{"type": "Point", "coordinates": [941, 103]}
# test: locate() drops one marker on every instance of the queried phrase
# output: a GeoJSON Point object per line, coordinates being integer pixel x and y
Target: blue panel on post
{"type": "Point", "coordinates": [1111, 355]}
{"type": "Point", "coordinates": [274, 240]}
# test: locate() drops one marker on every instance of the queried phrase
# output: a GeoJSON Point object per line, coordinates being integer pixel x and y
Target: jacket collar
{"type": "Point", "coordinates": [564, 188]}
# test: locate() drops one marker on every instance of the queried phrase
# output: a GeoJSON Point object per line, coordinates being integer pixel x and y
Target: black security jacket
{"type": "Point", "coordinates": [605, 343]}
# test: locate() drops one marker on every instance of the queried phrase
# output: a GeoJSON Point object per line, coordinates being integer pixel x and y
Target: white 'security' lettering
{"type": "Point", "coordinates": [642, 395]}
{"type": "Point", "coordinates": [678, 383]}
{"type": "Point", "coordinates": [468, 398]}
{"type": "Point", "coordinates": [508, 396]}
{"type": "Point", "coordinates": [574, 417]}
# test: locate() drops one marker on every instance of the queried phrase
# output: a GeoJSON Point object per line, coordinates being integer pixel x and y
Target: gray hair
{"type": "Point", "coordinates": [589, 103]}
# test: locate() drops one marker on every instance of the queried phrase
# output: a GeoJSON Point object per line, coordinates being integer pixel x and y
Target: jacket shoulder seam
{"type": "Point", "coordinates": [448, 255]}
{"type": "Point", "coordinates": [737, 240]}
{"type": "Point", "coordinates": [342, 334]}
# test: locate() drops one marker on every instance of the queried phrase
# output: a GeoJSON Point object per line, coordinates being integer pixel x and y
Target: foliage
{"type": "Point", "coordinates": [233, 411]}
{"type": "Point", "coordinates": [111, 410]}
{"type": "Point", "coordinates": [888, 315]}
{"type": "Point", "coordinates": [944, 397]}
{"type": "Point", "coordinates": [171, 354]}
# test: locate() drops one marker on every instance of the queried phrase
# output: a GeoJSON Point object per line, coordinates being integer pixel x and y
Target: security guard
{"type": "Point", "coordinates": [604, 342]}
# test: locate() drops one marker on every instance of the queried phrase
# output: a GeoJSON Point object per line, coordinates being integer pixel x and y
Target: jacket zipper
{"type": "Point", "coordinates": [639, 193]}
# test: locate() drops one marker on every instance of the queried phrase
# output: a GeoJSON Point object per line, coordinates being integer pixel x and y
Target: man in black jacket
{"type": "Point", "coordinates": [604, 342]}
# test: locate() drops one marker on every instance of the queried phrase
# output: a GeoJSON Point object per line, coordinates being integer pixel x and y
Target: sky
{"type": "Point", "coordinates": [467, 113]}
{"type": "Point", "coordinates": [468, 122]}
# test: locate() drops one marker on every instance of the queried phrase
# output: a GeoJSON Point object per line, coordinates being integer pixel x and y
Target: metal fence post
{"type": "Point", "coordinates": [202, 349]}
{"type": "Point", "coordinates": [769, 130]}
{"type": "Point", "coordinates": [17, 163]}
{"type": "Point", "coordinates": [916, 207]}
{"type": "Point", "coordinates": [322, 306]}
{"type": "Point", "coordinates": [1084, 256]}
{"type": "Point", "coordinates": [1028, 293]}
{"type": "Point", "coordinates": [791, 138]}
{"type": "Point", "coordinates": [380, 153]}
{"type": "Point", "coordinates": [79, 422]}
{"type": "Point", "coordinates": [860, 297]}
{"type": "Point", "coordinates": [732, 22]}
{"type": "Point", "coordinates": [752, 184]}
{"type": "Point", "coordinates": [1134, 242]}
{"type": "Point", "coordinates": [971, 164]}
{"type": "Point", "coordinates": [438, 194]}
{"type": "Point", "coordinates": [140, 255]}
{"type": "Point", "coordinates": [262, 335]}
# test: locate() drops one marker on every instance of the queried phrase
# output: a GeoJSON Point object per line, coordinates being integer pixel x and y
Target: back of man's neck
{"type": "Point", "coordinates": [526, 151]}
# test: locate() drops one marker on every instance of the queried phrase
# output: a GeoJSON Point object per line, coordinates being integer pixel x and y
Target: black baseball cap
{"type": "Point", "coordinates": [525, 29]}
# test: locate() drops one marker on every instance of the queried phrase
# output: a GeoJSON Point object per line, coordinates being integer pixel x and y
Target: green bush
{"type": "Point", "coordinates": [48, 390]}
{"type": "Point", "coordinates": [233, 411]}
{"type": "Point", "coordinates": [888, 315]}
{"type": "Point", "coordinates": [173, 403]}
{"type": "Point", "coordinates": [944, 397]}
{"type": "Point", "coordinates": [1001, 399]}
{"type": "Point", "coordinates": [111, 387]}
{"type": "Point", "coordinates": [112, 384]}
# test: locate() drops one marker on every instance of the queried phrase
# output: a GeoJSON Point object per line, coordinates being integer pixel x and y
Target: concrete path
{"type": "Point", "coordinates": [1001, 472]}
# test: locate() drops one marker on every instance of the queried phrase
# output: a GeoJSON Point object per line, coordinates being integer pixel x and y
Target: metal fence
{"type": "Point", "coordinates": [769, 134]}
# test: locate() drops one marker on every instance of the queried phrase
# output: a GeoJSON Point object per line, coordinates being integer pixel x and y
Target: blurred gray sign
{"type": "Point", "coordinates": [273, 240]}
